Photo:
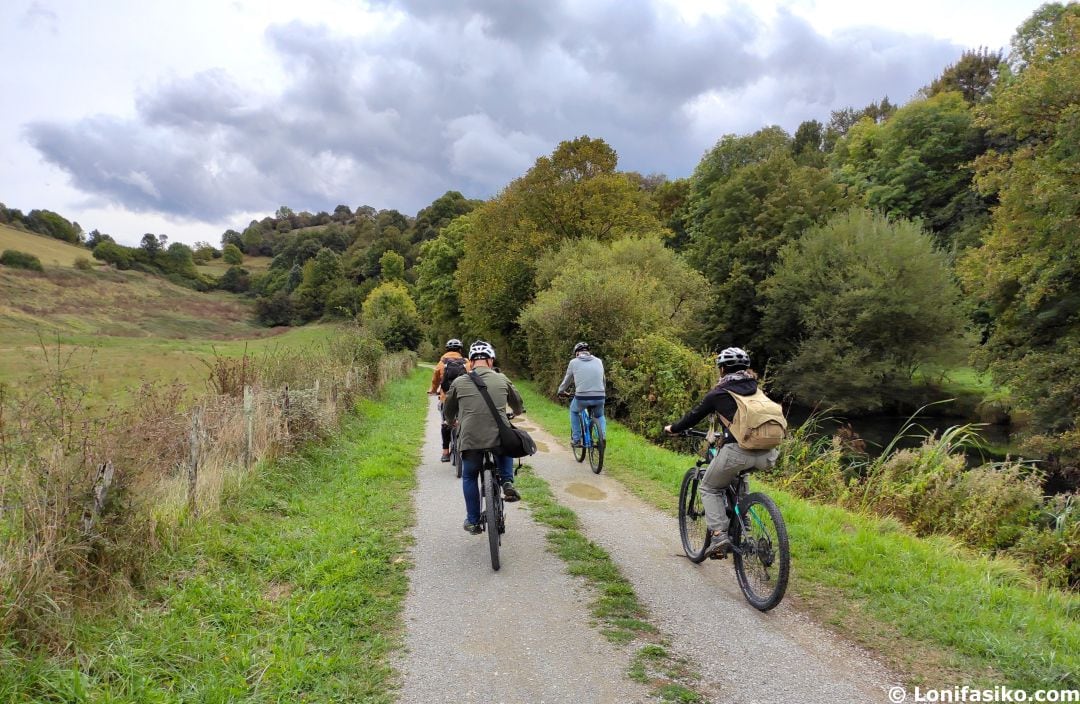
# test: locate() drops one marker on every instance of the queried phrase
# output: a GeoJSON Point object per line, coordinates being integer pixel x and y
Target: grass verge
{"type": "Point", "coordinates": [932, 609]}
{"type": "Point", "coordinates": [294, 596]}
{"type": "Point", "coordinates": [622, 618]}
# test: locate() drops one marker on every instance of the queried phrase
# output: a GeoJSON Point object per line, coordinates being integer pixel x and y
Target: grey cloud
{"type": "Point", "coordinates": [466, 98]}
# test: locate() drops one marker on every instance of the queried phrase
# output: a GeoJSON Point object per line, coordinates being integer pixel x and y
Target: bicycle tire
{"type": "Point", "coordinates": [763, 557]}
{"type": "Point", "coordinates": [693, 529]}
{"type": "Point", "coordinates": [596, 448]}
{"type": "Point", "coordinates": [492, 514]}
{"type": "Point", "coordinates": [580, 452]}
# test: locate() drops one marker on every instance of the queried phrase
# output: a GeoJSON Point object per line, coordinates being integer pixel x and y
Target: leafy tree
{"type": "Point", "coordinates": [432, 219]}
{"type": "Point", "coordinates": [573, 194]}
{"type": "Point", "coordinates": [236, 279]}
{"type": "Point", "coordinates": [608, 294]}
{"type": "Point", "coordinates": [97, 238]}
{"type": "Point", "coordinates": [918, 165]}
{"type": "Point", "coordinates": [232, 237]}
{"type": "Point", "coordinates": [808, 146]}
{"type": "Point", "coordinates": [392, 266]}
{"type": "Point", "coordinates": [204, 252]}
{"type": "Point", "coordinates": [178, 259]}
{"type": "Point", "coordinates": [342, 213]}
{"type": "Point", "coordinates": [46, 222]}
{"type": "Point", "coordinates": [973, 76]}
{"type": "Point", "coordinates": [116, 254]}
{"type": "Point", "coordinates": [274, 310]}
{"type": "Point", "coordinates": [740, 225]}
{"type": "Point", "coordinates": [1026, 271]}
{"type": "Point", "coordinates": [435, 288]}
{"type": "Point", "coordinates": [389, 313]}
{"type": "Point", "coordinates": [150, 244]}
{"type": "Point", "coordinates": [321, 276]}
{"type": "Point", "coordinates": [232, 255]}
{"type": "Point", "coordinates": [345, 301]}
{"type": "Point", "coordinates": [840, 121]}
{"type": "Point", "coordinates": [855, 306]}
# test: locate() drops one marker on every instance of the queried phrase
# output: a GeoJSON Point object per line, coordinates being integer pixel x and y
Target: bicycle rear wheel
{"type": "Point", "coordinates": [580, 452]}
{"type": "Point", "coordinates": [763, 556]}
{"type": "Point", "coordinates": [455, 453]}
{"type": "Point", "coordinates": [693, 529]}
{"type": "Point", "coordinates": [491, 513]}
{"type": "Point", "coordinates": [596, 448]}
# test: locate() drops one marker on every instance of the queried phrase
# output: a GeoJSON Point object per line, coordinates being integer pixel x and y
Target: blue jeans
{"type": "Point", "coordinates": [596, 410]}
{"type": "Point", "coordinates": [471, 462]}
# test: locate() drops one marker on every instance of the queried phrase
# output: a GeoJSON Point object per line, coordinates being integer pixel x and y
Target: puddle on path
{"type": "Point", "coordinates": [541, 446]}
{"type": "Point", "coordinates": [585, 491]}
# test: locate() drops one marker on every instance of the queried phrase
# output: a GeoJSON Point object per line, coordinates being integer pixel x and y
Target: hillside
{"type": "Point", "coordinates": [51, 252]}
{"type": "Point", "coordinates": [123, 325]}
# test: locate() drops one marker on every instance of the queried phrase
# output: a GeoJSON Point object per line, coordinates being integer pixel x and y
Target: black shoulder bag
{"type": "Point", "coordinates": [513, 442]}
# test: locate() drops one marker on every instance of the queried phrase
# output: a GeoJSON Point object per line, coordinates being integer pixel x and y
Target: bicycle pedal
{"type": "Point", "coordinates": [718, 556]}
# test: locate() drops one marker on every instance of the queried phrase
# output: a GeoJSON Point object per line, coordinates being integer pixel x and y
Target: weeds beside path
{"type": "Point", "coordinates": [294, 595]}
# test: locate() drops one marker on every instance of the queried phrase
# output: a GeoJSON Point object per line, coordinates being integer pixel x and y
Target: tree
{"type": "Point", "coordinates": [392, 266]}
{"type": "Point", "coordinates": [808, 146]}
{"type": "Point", "coordinates": [608, 294]}
{"type": "Point", "coordinates": [322, 275]}
{"type": "Point", "coordinates": [235, 279]}
{"type": "Point", "coordinates": [855, 306]}
{"type": "Point", "coordinates": [389, 313]}
{"type": "Point", "coordinates": [432, 219]}
{"type": "Point", "coordinates": [151, 245]}
{"type": "Point", "coordinates": [232, 237]}
{"type": "Point", "coordinates": [97, 238]}
{"type": "Point", "coordinates": [232, 255]}
{"type": "Point", "coordinates": [740, 225]}
{"type": "Point", "coordinates": [116, 254]}
{"type": "Point", "coordinates": [46, 222]}
{"type": "Point", "coordinates": [342, 213]}
{"type": "Point", "coordinates": [1025, 273]}
{"type": "Point", "coordinates": [973, 76]}
{"type": "Point", "coordinates": [435, 288]}
{"type": "Point", "coordinates": [918, 165]}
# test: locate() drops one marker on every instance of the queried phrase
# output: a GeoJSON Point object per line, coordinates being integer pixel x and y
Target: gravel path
{"type": "Point", "coordinates": [745, 656]}
{"type": "Point", "coordinates": [521, 634]}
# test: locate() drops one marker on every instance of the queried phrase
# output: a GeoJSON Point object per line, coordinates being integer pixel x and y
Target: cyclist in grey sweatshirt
{"type": "Point", "coordinates": [586, 373]}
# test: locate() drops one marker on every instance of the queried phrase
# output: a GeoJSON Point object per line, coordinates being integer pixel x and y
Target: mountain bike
{"type": "Point", "coordinates": [593, 442]}
{"type": "Point", "coordinates": [492, 515]}
{"type": "Point", "coordinates": [757, 531]}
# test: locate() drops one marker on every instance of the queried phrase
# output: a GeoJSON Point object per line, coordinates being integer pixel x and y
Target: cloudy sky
{"type": "Point", "coordinates": [188, 118]}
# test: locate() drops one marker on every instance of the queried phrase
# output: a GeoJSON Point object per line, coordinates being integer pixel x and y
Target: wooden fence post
{"type": "Point", "coordinates": [249, 419]}
{"type": "Point", "coordinates": [100, 496]}
{"type": "Point", "coordinates": [193, 464]}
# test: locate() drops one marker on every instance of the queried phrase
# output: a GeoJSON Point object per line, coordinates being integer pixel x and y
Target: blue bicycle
{"type": "Point", "coordinates": [593, 442]}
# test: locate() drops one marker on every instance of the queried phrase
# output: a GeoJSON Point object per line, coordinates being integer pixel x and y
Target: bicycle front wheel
{"type": "Point", "coordinates": [491, 512]}
{"type": "Point", "coordinates": [596, 448]}
{"type": "Point", "coordinates": [580, 452]}
{"type": "Point", "coordinates": [692, 526]}
{"type": "Point", "coordinates": [763, 556]}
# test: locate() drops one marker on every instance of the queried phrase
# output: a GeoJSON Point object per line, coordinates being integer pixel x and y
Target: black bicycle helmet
{"type": "Point", "coordinates": [733, 357]}
{"type": "Point", "coordinates": [581, 346]}
{"type": "Point", "coordinates": [454, 345]}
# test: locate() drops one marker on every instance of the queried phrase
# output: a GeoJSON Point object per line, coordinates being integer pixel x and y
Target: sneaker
{"type": "Point", "coordinates": [510, 494]}
{"type": "Point", "coordinates": [472, 528]}
{"type": "Point", "coordinates": [445, 458]}
{"type": "Point", "coordinates": [575, 443]}
{"type": "Point", "coordinates": [719, 546]}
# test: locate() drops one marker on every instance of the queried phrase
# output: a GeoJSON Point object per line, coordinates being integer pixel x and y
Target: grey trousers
{"type": "Point", "coordinates": [724, 468]}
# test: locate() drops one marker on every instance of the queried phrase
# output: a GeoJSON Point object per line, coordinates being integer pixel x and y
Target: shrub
{"type": "Point", "coordinates": [656, 381]}
{"type": "Point", "coordinates": [20, 260]}
{"type": "Point", "coordinates": [83, 264]}
{"type": "Point", "coordinates": [116, 254]}
{"type": "Point", "coordinates": [390, 315]}
{"type": "Point", "coordinates": [232, 255]}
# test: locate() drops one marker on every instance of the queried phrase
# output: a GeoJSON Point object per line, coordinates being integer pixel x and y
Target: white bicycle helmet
{"type": "Point", "coordinates": [481, 350]}
{"type": "Point", "coordinates": [581, 346]}
{"type": "Point", "coordinates": [733, 357]}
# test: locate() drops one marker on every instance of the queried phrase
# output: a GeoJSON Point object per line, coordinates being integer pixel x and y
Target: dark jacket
{"type": "Point", "coordinates": [718, 400]}
{"type": "Point", "coordinates": [463, 402]}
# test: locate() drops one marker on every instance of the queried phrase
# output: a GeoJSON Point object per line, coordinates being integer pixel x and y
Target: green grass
{"type": "Point", "coordinates": [217, 267]}
{"type": "Point", "coordinates": [621, 616]}
{"type": "Point", "coordinates": [931, 608]}
{"type": "Point", "coordinates": [293, 595]}
{"type": "Point", "coordinates": [51, 252]}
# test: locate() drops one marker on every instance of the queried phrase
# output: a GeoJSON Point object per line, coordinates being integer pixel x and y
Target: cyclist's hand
{"type": "Point", "coordinates": [667, 429]}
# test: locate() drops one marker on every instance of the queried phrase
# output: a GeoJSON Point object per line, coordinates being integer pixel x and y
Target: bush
{"type": "Point", "coordinates": [83, 264]}
{"type": "Point", "coordinates": [116, 254]}
{"type": "Point", "coordinates": [390, 315]}
{"type": "Point", "coordinates": [232, 255]}
{"type": "Point", "coordinates": [657, 381]}
{"type": "Point", "coordinates": [20, 260]}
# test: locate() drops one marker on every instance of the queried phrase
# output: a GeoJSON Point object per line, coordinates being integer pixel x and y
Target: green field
{"type": "Point", "coordinates": [51, 252]}
{"type": "Point", "coordinates": [217, 267]}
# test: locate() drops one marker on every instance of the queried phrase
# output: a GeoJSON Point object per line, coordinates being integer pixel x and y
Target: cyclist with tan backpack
{"type": "Point", "coordinates": [753, 426]}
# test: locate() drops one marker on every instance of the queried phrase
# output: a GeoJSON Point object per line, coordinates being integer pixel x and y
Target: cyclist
{"type": "Point", "coordinates": [450, 366]}
{"type": "Point", "coordinates": [478, 430]}
{"type": "Point", "coordinates": [586, 372]}
{"type": "Point", "coordinates": [737, 377]}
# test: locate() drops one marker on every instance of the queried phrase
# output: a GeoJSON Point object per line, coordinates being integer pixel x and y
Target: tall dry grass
{"type": "Point", "coordinates": [174, 454]}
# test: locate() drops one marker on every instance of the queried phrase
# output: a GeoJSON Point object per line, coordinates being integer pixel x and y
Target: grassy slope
{"type": "Point", "coordinates": [123, 326]}
{"type": "Point", "coordinates": [932, 609]}
{"type": "Point", "coordinates": [217, 267]}
{"type": "Point", "coordinates": [294, 596]}
{"type": "Point", "coordinates": [51, 252]}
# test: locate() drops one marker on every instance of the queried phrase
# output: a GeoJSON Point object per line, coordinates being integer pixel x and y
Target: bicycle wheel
{"type": "Point", "coordinates": [455, 453]}
{"type": "Point", "coordinates": [580, 452]}
{"type": "Point", "coordinates": [491, 512]}
{"type": "Point", "coordinates": [763, 556]}
{"type": "Point", "coordinates": [692, 526]}
{"type": "Point", "coordinates": [596, 448]}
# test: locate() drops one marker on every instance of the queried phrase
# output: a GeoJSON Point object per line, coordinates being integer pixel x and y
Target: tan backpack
{"type": "Point", "coordinates": [759, 422]}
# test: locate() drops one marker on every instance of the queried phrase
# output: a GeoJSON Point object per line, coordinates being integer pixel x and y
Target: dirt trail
{"type": "Point", "coordinates": [535, 612]}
